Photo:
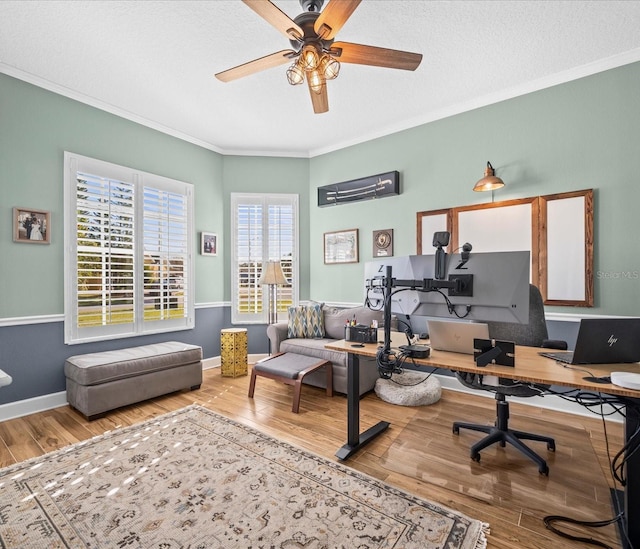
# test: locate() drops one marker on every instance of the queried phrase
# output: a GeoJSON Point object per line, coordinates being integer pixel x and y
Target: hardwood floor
{"type": "Point", "coordinates": [417, 453]}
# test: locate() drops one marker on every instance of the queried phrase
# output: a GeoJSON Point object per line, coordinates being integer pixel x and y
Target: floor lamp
{"type": "Point", "coordinates": [273, 276]}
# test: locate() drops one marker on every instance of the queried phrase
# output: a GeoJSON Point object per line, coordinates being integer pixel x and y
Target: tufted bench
{"type": "Point", "coordinates": [99, 382]}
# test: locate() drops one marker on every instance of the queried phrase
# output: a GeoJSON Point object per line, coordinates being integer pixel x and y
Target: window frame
{"type": "Point", "coordinates": [265, 200]}
{"type": "Point", "coordinates": [75, 334]}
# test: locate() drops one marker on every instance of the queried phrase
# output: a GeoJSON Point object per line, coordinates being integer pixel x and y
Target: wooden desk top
{"type": "Point", "coordinates": [529, 366]}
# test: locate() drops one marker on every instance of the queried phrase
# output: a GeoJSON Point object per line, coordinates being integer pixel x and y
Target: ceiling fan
{"type": "Point", "coordinates": [315, 56]}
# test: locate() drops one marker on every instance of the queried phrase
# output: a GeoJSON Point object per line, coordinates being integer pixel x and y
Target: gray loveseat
{"type": "Point", "coordinates": [335, 320]}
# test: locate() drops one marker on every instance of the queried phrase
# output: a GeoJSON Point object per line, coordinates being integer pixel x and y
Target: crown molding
{"type": "Point", "coordinates": [98, 104]}
{"type": "Point", "coordinates": [563, 77]}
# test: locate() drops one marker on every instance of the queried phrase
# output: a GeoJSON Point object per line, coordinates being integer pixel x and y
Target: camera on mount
{"type": "Point", "coordinates": [441, 239]}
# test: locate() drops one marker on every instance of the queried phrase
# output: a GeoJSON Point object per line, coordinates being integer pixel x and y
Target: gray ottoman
{"type": "Point", "coordinates": [290, 368]}
{"type": "Point", "coordinates": [99, 382]}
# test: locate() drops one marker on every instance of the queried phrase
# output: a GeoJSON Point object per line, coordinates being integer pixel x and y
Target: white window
{"type": "Point", "coordinates": [264, 227]}
{"type": "Point", "coordinates": [128, 251]}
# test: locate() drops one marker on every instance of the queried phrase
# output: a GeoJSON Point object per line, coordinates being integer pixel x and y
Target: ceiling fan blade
{"type": "Point", "coordinates": [257, 65]}
{"type": "Point", "coordinates": [347, 52]}
{"type": "Point", "coordinates": [320, 100]}
{"type": "Point", "coordinates": [333, 17]}
{"type": "Point", "coordinates": [276, 18]}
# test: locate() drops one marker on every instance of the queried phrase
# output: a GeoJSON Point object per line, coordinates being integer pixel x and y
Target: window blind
{"type": "Point", "coordinates": [265, 228]}
{"type": "Point", "coordinates": [128, 251]}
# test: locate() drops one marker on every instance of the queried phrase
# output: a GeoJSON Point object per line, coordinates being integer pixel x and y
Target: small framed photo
{"type": "Point", "coordinates": [31, 226]}
{"type": "Point", "coordinates": [341, 247]}
{"type": "Point", "coordinates": [383, 243]}
{"type": "Point", "coordinates": [208, 244]}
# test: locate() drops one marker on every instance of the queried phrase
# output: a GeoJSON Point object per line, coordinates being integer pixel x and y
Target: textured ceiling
{"type": "Point", "coordinates": [154, 61]}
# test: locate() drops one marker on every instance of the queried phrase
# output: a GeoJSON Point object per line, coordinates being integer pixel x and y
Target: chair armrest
{"type": "Point", "coordinates": [277, 333]}
{"type": "Point", "coordinates": [555, 344]}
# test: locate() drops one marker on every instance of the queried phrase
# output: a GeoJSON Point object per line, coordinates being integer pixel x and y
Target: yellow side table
{"type": "Point", "coordinates": [233, 352]}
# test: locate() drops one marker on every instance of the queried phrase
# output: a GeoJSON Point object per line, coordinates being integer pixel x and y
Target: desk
{"type": "Point", "coordinates": [529, 366]}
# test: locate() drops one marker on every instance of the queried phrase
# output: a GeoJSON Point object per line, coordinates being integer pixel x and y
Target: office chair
{"type": "Point", "coordinates": [533, 334]}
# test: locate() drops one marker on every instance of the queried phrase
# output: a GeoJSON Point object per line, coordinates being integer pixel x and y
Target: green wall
{"type": "Point", "coordinates": [583, 134]}
{"type": "Point", "coordinates": [250, 174]}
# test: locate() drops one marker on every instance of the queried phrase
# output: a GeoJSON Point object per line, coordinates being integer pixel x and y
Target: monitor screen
{"type": "Point", "coordinates": [500, 286]}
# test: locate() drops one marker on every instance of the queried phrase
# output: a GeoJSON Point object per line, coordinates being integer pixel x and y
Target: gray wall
{"type": "Point", "coordinates": [583, 134]}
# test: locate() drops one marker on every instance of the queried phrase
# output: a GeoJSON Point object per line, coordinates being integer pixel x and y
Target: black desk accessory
{"type": "Point", "coordinates": [416, 351]}
{"type": "Point", "coordinates": [488, 351]}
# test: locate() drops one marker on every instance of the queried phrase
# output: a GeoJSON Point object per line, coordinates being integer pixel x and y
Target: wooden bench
{"type": "Point", "coordinates": [99, 382]}
{"type": "Point", "coordinates": [290, 368]}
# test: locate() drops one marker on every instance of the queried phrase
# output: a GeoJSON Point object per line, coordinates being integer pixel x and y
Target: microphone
{"type": "Point", "coordinates": [466, 251]}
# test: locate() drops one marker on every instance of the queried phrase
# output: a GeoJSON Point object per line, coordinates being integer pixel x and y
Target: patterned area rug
{"type": "Point", "coordinates": [195, 479]}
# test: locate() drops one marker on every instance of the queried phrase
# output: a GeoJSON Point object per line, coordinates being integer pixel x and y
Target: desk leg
{"type": "Point", "coordinates": [355, 440]}
{"type": "Point", "coordinates": [632, 489]}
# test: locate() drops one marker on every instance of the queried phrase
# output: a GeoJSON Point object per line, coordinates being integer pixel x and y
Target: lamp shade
{"type": "Point", "coordinates": [489, 182]}
{"type": "Point", "coordinates": [272, 274]}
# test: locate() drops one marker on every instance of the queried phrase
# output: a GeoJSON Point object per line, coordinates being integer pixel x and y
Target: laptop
{"type": "Point", "coordinates": [603, 341]}
{"type": "Point", "coordinates": [455, 337]}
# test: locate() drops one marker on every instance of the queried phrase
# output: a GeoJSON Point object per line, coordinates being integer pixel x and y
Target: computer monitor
{"type": "Point", "coordinates": [499, 286]}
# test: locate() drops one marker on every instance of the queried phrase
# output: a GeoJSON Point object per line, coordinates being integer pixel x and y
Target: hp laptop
{"type": "Point", "coordinates": [603, 341]}
{"type": "Point", "coordinates": [455, 337]}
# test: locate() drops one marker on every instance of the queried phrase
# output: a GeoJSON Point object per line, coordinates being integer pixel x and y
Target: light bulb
{"type": "Point", "coordinates": [309, 58]}
{"type": "Point", "coordinates": [329, 67]}
{"type": "Point", "coordinates": [316, 81]}
{"type": "Point", "coordinates": [295, 75]}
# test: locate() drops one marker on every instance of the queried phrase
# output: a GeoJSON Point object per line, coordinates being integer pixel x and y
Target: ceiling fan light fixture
{"type": "Point", "coordinates": [315, 54]}
{"type": "Point", "coordinates": [329, 67]}
{"type": "Point", "coordinates": [295, 75]}
{"type": "Point", "coordinates": [309, 59]}
{"type": "Point", "coordinates": [316, 81]}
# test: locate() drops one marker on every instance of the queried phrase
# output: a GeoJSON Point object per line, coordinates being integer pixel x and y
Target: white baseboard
{"type": "Point", "coordinates": [213, 362]}
{"type": "Point", "coordinates": [32, 405]}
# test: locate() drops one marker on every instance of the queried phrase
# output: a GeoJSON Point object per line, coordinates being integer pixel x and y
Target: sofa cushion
{"type": "Point", "coordinates": [314, 321]}
{"type": "Point", "coordinates": [335, 319]}
{"type": "Point", "coordinates": [296, 323]}
{"type": "Point", "coordinates": [314, 348]}
{"type": "Point", "coordinates": [306, 321]}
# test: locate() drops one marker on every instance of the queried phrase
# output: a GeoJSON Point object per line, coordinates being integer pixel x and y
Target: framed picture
{"type": "Point", "coordinates": [208, 244]}
{"type": "Point", "coordinates": [341, 247]}
{"type": "Point", "coordinates": [31, 226]}
{"type": "Point", "coordinates": [383, 243]}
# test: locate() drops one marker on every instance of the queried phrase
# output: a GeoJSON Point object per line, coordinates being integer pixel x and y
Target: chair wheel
{"type": "Point", "coordinates": [544, 471]}
{"type": "Point", "coordinates": [475, 457]}
{"type": "Point", "coordinates": [502, 444]}
{"type": "Point", "coordinates": [456, 430]}
{"type": "Point", "coordinates": [551, 446]}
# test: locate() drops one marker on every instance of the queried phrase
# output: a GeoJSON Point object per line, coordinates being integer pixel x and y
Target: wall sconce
{"type": "Point", "coordinates": [273, 276]}
{"type": "Point", "coordinates": [489, 182]}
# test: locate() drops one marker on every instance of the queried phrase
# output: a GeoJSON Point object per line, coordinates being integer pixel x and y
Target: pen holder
{"type": "Point", "coordinates": [361, 334]}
